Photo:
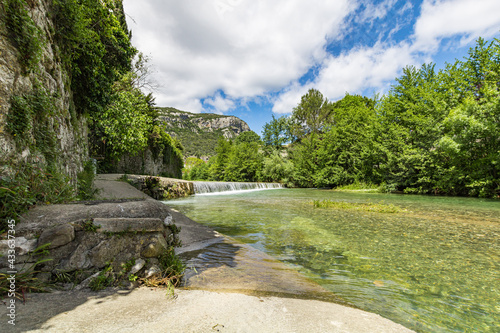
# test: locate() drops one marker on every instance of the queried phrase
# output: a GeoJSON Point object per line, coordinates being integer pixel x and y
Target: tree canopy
{"type": "Point", "coordinates": [434, 132]}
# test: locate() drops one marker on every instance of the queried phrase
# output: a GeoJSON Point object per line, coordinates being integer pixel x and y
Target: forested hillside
{"type": "Point", "coordinates": [199, 132]}
{"type": "Point", "coordinates": [435, 132]}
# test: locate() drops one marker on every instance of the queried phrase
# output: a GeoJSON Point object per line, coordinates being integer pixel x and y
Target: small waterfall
{"type": "Point", "coordinates": [216, 187]}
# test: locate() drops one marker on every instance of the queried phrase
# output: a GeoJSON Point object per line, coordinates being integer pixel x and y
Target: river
{"type": "Point", "coordinates": [432, 267]}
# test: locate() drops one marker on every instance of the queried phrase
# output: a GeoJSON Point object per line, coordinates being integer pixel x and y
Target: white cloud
{"type": "Point", "coordinates": [351, 72]}
{"type": "Point", "coordinates": [374, 67]}
{"type": "Point", "coordinates": [244, 48]}
{"type": "Point", "coordinates": [290, 97]}
{"type": "Point", "coordinates": [441, 19]}
{"type": "Point", "coordinates": [379, 11]}
{"type": "Point", "coordinates": [220, 104]}
{"type": "Point", "coordinates": [251, 49]}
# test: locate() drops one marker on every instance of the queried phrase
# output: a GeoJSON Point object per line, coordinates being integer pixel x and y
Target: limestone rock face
{"type": "Point", "coordinates": [204, 122]}
{"type": "Point", "coordinates": [69, 130]}
{"type": "Point", "coordinates": [198, 132]}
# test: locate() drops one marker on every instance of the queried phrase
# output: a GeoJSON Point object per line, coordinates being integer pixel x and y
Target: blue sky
{"type": "Point", "coordinates": [256, 58]}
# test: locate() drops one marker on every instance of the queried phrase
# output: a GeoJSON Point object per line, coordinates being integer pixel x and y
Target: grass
{"type": "Point", "coordinates": [25, 279]}
{"type": "Point", "coordinates": [359, 186]}
{"type": "Point", "coordinates": [366, 207]}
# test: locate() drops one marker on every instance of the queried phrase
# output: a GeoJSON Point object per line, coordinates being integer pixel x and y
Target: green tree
{"type": "Point", "coordinates": [244, 163]}
{"type": "Point", "coordinates": [124, 125]}
{"type": "Point", "coordinates": [277, 168]}
{"type": "Point", "coordinates": [277, 133]}
{"type": "Point", "coordinates": [220, 160]}
{"type": "Point", "coordinates": [311, 115]}
{"type": "Point", "coordinates": [248, 137]}
{"type": "Point", "coordinates": [345, 154]}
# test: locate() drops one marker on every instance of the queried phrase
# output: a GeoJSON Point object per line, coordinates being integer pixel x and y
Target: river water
{"type": "Point", "coordinates": [433, 267]}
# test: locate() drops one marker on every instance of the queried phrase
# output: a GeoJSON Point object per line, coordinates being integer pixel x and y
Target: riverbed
{"type": "Point", "coordinates": [434, 266]}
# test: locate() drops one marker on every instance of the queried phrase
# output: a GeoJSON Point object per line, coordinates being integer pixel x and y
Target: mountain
{"type": "Point", "coordinates": [199, 132]}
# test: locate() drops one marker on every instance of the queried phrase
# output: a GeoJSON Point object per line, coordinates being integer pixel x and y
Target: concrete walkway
{"type": "Point", "coordinates": [238, 294]}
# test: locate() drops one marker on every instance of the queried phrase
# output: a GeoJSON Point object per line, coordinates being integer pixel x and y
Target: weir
{"type": "Point", "coordinates": [216, 187]}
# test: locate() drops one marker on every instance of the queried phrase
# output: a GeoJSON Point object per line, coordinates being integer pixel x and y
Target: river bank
{"type": "Point", "coordinates": [234, 298]}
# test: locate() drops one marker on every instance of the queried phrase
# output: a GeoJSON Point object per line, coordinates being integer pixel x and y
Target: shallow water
{"type": "Point", "coordinates": [434, 267]}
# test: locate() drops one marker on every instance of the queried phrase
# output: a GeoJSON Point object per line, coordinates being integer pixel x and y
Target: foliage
{"type": "Point", "coordinates": [219, 162]}
{"type": "Point", "coordinates": [345, 152]}
{"type": "Point", "coordinates": [124, 125]}
{"type": "Point", "coordinates": [198, 171]}
{"type": "Point", "coordinates": [90, 226]}
{"type": "Point", "coordinates": [276, 168]}
{"type": "Point", "coordinates": [191, 164]}
{"type": "Point", "coordinates": [277, 133]}
{"type": "Point", "coordinates": [244, 163]}
{"type": "Point", "coordinates": [311, 115]}
{"type": "Point", "coordinates": [25, 280]}
{"type": "Point", "coordinates": [248, 137]}
{"type": "Point", "coordinates": [95, 45]}
{"type": "Point", "coordinates": [29, 185]}
{"type": "Point", "coordinates": [24, 34]}
{"type": "Point", "coordinates": [85, 187]}
{"type": "Point", "coordinates": [161, 143]}
{"type": "Point", "coordinates": [172, 269]}
{"type": "Point", "coordinates": [32, 122]}
{"type": "Point", "coordinates": [104, 279]}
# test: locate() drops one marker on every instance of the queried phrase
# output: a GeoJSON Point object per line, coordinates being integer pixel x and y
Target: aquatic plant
{"type": "Point", "coordinates": [367, 207]}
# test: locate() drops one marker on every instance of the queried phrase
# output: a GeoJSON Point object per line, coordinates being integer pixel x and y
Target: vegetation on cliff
{"type": "Point", "coordinates": [94, 108]}
{"type": "Point", "coordinates": [199, 132]}
{"type": "Point", "coordinates": [435, 132]}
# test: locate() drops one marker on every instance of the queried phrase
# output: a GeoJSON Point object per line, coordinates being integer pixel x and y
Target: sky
{"type": "Point", "coordinates": [256, 58]}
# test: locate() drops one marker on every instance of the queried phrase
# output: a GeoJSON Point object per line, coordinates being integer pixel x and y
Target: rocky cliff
{"type": "Point", "coordinates": [38, 122]}
{"type": "Point", "coordinates": [199, 132]}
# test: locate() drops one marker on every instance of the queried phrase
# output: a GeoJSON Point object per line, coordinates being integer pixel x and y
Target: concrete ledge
{"type": "Point", "coordinates": [129, 224]}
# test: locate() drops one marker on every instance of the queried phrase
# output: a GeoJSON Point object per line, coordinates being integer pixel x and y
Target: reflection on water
{"type": "Point", "coordinates": [433, 268]}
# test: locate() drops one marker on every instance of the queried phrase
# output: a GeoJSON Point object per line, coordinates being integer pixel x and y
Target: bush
{"type": "Point", "coordinates": [29, 185]}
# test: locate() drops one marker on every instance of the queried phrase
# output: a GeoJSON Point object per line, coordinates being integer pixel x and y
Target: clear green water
{"type": "Point", "coordinates": [434, 268]}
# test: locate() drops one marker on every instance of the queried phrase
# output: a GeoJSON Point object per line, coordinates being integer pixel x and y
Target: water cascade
{"type": "Point", "coordinates": [216, 187]}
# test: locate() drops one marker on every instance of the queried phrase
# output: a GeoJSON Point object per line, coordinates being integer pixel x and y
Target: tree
{"type": "Point", "coordinates": [346, 152]}
{"type": "Point", "coordinates": [277, 133]}
{"type": "Point", "coordinates": [244, 163]}
{"type": "Point", "coordinates": [248, 137]}
{"type": "Point", "coordinates": [311, 115]}
{"type": "Point", "coordinates": [220, 160]}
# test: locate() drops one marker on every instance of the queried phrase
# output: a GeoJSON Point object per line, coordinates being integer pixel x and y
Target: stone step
{"type": "Point", "coordinates": [129, 224]}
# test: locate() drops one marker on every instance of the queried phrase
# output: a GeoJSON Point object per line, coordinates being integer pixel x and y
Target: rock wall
{"type": "Point", "coordinates": [145, 163]}
{"type": "Point", "coordinates": [161, 188]}
{"type": "Point", "coordinates": [64, 132]}
{"type": "Point", "coordinates": [85, 239]}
